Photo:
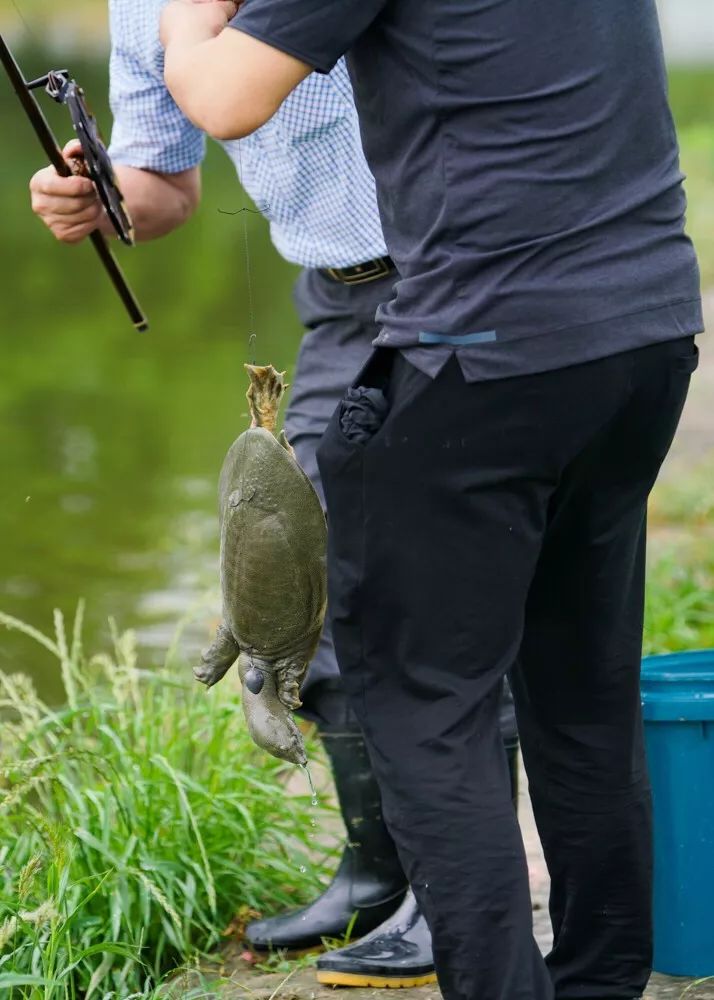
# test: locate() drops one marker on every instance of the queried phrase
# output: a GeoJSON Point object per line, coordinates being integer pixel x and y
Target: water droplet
{"type": "Point", "coordinates": [303, 869]}
{"type": "Point", "coordinates": [313, 790]}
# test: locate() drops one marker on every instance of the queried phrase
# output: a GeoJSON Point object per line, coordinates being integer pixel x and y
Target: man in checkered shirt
{"type": "Point", "coordinates": [306, 171]}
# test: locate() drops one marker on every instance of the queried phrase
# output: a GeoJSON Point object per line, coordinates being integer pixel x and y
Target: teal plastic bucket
{"type": "Point", "coordinates": [678, 710]}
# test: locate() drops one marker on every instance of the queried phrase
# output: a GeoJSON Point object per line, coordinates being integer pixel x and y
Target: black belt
{"type": "Point", "coordinates": [360, 274]}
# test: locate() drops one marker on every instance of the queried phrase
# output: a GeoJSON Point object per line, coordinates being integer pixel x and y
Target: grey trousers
{"type": "Point", "coordinates": [340, 325]}
{"type": "Point", "coordinates": [339, 320]}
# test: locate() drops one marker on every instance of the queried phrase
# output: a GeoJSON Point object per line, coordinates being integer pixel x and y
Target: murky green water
{"type": "Point", "coordinates": [111, 441]}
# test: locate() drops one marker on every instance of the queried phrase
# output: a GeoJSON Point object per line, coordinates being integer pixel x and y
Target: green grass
{"type": "Point", "coordinates": [680, 578]}
{"type": "Point", "coordinates": [685, 503]}
{"type": "Point", "coordinates": [136, 822]}
{"type": "Point", "coordinates": [697, 157]}
{"type": "Point", "coordinates": [680, 599]}
{"type": "Point", "coordinates": [691, 94]}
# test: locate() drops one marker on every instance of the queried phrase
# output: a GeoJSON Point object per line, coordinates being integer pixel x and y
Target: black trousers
{"type": "Point", "coordinates": [499, 528]}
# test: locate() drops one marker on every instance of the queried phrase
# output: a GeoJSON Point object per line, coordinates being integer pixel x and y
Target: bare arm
{"type": "Point", "coordinates": [158, 203]}
{"type": "Point", "coordinates": [226, 82]}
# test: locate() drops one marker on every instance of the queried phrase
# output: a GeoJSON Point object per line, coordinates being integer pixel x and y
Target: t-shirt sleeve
{"type": "Point", "coordinates": [150, 131]}
{"type": "Point", "coordinates": [317, 32]}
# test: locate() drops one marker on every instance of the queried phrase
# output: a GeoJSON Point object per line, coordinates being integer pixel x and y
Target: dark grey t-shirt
{"type": "Point", "coordinates": [527, 171]}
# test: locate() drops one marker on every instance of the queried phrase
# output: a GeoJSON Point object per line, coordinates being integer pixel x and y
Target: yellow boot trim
{"type": "Point", "coordinates": [328, 978]}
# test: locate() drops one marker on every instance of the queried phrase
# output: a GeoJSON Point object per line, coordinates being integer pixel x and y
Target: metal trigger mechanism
{"type": "Point", "coordinates": [94, 162]}
{"type": "Point", "coordinates": [97, 165]}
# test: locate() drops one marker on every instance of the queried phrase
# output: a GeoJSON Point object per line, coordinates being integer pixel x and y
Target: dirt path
{"type": "Point", "coordinates": [302, 986]}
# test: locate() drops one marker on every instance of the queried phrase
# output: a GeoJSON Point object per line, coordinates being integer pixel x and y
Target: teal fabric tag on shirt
{"type": "Point", "coordinates": [458, 339]}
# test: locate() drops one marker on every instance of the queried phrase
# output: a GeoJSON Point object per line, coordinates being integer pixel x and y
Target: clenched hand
{"type": "Point", "coordinates": [68, 206]}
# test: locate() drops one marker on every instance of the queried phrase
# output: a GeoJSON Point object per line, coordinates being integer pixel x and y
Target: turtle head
{"type": "Point", "coordinates": [264, 395]}
{"type": "Point", "coordinates": [270, 721]}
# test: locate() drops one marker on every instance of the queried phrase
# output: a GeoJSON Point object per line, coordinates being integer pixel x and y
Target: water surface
{"type": "Point", "coordinates": [111, 441]}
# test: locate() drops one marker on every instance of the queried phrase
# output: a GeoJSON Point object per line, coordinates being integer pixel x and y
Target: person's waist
{"type": "Point", "coordinates": [361, 274]}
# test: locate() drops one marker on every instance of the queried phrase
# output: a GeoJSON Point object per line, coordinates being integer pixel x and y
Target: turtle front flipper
{"type": "Point", "coordinates": [283, 439]}
{"type": "Point", "coordinates": [217, 660]}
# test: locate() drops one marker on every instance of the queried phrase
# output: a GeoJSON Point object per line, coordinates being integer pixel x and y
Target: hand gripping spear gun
{"type": "Point", "coordinates": [95, 163]}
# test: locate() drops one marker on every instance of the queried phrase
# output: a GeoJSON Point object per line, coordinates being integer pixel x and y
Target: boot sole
{"type": "Point", "coordinates": [376, 982]}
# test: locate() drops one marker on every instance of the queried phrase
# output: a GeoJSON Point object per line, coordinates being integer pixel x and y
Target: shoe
{"type": "Point", "coordinates": [397, 954]}
{"type": "Point", "coordinates": [369, 884]}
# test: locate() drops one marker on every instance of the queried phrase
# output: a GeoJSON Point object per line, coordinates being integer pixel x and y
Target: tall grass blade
{"type": "Point", "coordinates": [14, 623]}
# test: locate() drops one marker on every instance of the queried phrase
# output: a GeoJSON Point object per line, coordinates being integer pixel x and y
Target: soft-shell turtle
{"type": "Point", "coordinates": [273, 579]}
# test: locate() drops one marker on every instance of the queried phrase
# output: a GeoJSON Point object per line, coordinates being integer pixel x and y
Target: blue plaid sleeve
{"type": "Point", "coordinates": [150, 132]}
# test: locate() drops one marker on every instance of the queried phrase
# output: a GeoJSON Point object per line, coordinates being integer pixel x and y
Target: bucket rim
{"type": "Point", "coordinates": [705, 653]}
{"type": "Point", "coordinates": [678, 686]}
{"type": "Point", "coordinates": [694, 659]}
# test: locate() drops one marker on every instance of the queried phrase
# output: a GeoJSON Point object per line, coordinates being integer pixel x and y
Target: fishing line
{"type": "Point", "coordinates": [35, 38]}
{"type": "Point", "coordinates": [250, 211]}
{"type": "Point", "coordinates": [244, 211]}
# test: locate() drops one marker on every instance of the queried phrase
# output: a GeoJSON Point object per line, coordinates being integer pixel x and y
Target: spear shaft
{"type": "Point", "coordinates": [51, 147]}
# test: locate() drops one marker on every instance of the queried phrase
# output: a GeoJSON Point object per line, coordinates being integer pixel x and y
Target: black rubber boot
{"type": "Point", "coordinates": [398, 953]}
{"type": "Point", "coordinates": [369, 884]}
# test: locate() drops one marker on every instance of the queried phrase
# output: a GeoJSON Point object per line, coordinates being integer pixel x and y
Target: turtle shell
{"type": "Point", "coordinates": [273, 547]}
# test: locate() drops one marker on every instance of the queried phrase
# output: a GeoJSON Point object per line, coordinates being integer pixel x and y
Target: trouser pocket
{"type": "Point", "coordinates": [364, 407]}
{"type": "Point", "coordinates": [688, 363]}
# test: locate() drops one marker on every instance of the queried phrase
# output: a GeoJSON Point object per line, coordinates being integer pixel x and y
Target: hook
{"type": "Point", "coordinates": [260, 210]}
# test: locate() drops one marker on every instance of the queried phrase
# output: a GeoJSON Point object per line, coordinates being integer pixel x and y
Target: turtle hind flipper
{"type": "Point", "coordinates": [289, 676]}
{"type": "Point", "coordinates": [267, 386]}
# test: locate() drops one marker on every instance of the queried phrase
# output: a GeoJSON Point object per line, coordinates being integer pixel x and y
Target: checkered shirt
{"type": "Point", "coordinates": [304, 169]}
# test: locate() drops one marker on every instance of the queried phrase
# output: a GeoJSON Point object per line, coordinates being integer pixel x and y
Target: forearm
{"type": "Point", "coordinates": [157, 203]}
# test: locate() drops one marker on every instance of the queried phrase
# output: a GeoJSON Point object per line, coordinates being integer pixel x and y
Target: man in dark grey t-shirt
{"type": "Point", "coordinates": [488, 473]}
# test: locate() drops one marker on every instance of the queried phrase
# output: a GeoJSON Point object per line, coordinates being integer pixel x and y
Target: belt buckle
{"type": "Point", "coordinates": [361, 274]}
